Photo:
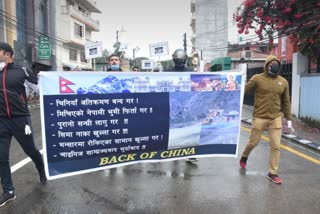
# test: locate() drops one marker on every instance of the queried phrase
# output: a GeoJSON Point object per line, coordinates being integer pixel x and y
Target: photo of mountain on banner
{"type": "Point", "coordinates": [109, 119]}
{"type": "Point", "coordinates": [269, 19]}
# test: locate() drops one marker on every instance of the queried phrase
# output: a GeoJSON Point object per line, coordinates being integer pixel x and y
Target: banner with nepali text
{"type": "Point", "coordinates": [99, 120]}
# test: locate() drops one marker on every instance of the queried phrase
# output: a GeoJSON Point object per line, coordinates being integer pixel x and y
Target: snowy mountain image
{"type": "Point", "coordinates": [110, 84]}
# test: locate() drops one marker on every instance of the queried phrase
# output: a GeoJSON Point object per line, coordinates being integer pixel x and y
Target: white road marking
{"type": "Point", "coordinates": [22, 163]}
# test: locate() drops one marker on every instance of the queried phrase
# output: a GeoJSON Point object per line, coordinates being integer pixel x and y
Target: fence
{"type": "Point", "coordinates": [286, 72]}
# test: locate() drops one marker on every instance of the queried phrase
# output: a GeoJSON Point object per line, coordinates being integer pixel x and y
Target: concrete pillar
{"type": "Point", "coordinates": [299, 66]}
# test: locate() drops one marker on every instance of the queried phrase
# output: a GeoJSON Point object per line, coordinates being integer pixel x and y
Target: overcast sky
{"type": "Point", "coordinates": [144, 22]}
{"type": "Point", "coordinates": [150, 21]}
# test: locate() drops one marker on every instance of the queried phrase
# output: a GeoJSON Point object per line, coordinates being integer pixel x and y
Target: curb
{"type": "Point", "coordinates": [296, 139]}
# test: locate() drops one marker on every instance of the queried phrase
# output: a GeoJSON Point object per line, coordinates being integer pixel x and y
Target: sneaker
{"type": "Point", "coordinates": [43, 177]}
{"type": "Point", "coordinates": [6, 197]}
{"type": "Point", "coordinates": [192, 159]}
{"type": "Point", "coordinates": [275, 178]}
{"type": "Point", "coordinates": [243, 162]}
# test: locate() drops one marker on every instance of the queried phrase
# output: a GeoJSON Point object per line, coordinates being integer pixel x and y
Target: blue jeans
{"type": "Point", "coordinates": [14, 127]}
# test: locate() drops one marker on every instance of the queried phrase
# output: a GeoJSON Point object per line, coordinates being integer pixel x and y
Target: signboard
{"type": "Point", "coordinates": [147, 64]}
{"type": "Point", "coordinates": [159, 49]}
{"type": "Point", "coordinates": [44, 48]}
{"type": "Point", "coordinates": [123, 47]}
{"type": "Point", "coordinates": [93, 50]}
{"type": "Point", "coordinates": [99, 120]}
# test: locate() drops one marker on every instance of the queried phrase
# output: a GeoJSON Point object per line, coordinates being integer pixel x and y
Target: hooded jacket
{"type": "Point", "coordinates": [13, 99]}
{"type": "Point", "coordinates": [271, 94]}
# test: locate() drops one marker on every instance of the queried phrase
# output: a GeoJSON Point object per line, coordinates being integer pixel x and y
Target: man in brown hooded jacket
{"type": "Point", "coordinates": [271, 93]}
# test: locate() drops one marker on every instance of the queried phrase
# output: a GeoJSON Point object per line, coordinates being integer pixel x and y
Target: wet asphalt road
{"type": "Point", "coordinates": [212, 185]}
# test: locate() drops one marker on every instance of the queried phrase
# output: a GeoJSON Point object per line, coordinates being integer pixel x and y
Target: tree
{"type": "Point", "coordinates": [298, 19]}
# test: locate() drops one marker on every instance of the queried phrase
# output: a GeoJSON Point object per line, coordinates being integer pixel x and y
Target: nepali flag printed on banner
{"type": "Point", "coordinates": [63, 83]}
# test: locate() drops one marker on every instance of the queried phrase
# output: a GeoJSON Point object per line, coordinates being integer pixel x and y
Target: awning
{"type": "Point", "coordinates": [220, 64]}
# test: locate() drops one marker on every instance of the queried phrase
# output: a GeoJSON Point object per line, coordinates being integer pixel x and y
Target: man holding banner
{"type": "Point", "coordinates": [179, 58]}
{"type": "Point", "coordinates": [114, 62]}
{"type": "Point", "coordinates": [271, 94]}
{"type": "Point", "coordinates": [15, 119]}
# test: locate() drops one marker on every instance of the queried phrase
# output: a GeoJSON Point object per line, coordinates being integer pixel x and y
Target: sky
{"type": "Point", "coordinates": [151, 21]}
{"type": "Point", "coordinates": [144, 22]}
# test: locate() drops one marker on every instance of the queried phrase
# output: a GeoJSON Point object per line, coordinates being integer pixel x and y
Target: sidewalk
{"type": "Point", "coordinates": [303, 135]}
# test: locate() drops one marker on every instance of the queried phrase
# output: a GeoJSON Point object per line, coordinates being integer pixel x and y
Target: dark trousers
{"type": "Point", "coordinates": [16, 127]}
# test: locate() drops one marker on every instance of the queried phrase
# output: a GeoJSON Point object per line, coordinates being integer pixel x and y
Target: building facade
{"type": "Point", "coordinates": [8, 21]}
{"type": "Point", "coordinates": [209, 23]}
{"type": "Point", "coordinates": [74, 28]}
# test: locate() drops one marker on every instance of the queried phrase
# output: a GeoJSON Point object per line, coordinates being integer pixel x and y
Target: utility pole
{"type": "Point", "coordinates": [134, 54]}
{"type": "Point", "coordinates": [117, 44]}
{"type": "Point", "coordinates": [185, 42]}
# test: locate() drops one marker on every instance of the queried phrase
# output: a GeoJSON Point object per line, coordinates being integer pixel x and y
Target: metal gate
{"type": "Point", "coordinates": [286, 72]}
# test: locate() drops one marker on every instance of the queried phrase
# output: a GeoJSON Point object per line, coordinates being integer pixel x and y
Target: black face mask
{"type": "Point", "coordinates": [274, 70]}
{"type": "Point", "coordinates": [179, 62]}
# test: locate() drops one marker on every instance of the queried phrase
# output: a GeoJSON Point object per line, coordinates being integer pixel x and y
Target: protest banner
{"type": "Point", "coordinates": [99, 120]}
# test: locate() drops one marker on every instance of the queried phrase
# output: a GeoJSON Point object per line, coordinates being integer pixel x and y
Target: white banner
{"type": "Point", "coordinates": [159, 49]}
{"type": "Point", "coordinates": [147, 64]}
{"type": "Point", "coordinates": [93, 50]}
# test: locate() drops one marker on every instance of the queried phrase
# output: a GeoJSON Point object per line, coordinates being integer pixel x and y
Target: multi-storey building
{"type": "Point", "coordinates": [8, 32]}
{"type": "Point", "coordinates": [74, 26]}
{"type": "Point", "coordinates": [210, 28]}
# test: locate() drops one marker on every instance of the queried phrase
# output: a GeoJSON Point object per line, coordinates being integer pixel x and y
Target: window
{"type": "Point", "coordinates": [78, 30]}
{"type": "Point", "coordinates": [82, 10]}
{"type": "Point", "coordinates": [43, 17]}
{"type": "Point", "coordinates": [73, 54]}
{"type": "Point", "coordinates": [83, 56]}
{"type": "Point", "coordinates": [69, 2]}
{"type": "Point", "coordinates": [283, 46]}
{"type": "Point", "coordinates": [2, 23]}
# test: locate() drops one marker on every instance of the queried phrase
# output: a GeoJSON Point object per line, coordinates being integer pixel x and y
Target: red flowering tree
{"type": "Point", "coordinates": [298, 19]}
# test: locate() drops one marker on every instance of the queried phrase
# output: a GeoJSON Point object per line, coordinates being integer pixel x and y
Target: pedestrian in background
{"type": "Point", "coordinates": [135, 68]}
{"type": "Point", "coordinates": [15, 120]}
{"type": "Point", "coordinates": [271, 94]}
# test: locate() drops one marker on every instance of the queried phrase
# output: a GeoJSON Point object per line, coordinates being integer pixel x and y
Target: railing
{"type": "Point", "coordinates": [83, 17]}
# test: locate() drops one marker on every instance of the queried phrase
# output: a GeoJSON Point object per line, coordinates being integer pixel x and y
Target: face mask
{"type": "Point", "coordinates": [115, 67]}
{"type": "Point", "coordinates": [179, 62]}
{"type": "Point", "coordinates": [2, 65]}
{"type": "Point", "coordinates": [274, 70]}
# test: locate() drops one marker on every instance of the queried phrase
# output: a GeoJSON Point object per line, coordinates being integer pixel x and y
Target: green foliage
{"type": "Point", "coordinates": [311, 122]}
{"type": "Point", "coordinates": [298, 19]}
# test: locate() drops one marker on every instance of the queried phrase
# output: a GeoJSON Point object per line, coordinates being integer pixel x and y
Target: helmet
{"type": "Point", "coordinates": [179, 57]}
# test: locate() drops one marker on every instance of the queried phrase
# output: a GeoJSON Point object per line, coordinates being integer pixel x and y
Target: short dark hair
{"type": "Point", "coordinates": [112, 55]}
{"type": "Point", "coordinates": [135, 67]}
{"type": "Point", "coordinates": [6, 48]}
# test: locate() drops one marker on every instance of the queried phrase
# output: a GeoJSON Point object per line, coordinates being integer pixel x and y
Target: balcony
{"type": "Point", "coordinates": [90, 5]}
{"type": "Point", "coordinates": [91, 24]}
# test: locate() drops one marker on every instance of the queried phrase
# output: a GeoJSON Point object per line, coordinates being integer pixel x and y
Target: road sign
{"type": "Point", "coordinates": [44, 48]}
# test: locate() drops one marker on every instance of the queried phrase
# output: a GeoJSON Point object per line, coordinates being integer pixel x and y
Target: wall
{"type": "Point", "coordinates": [310, 102]}
{"type": "Point", "coordinates": [211, 28]}
{"type": "Point", "coordinates": [299, 64]}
